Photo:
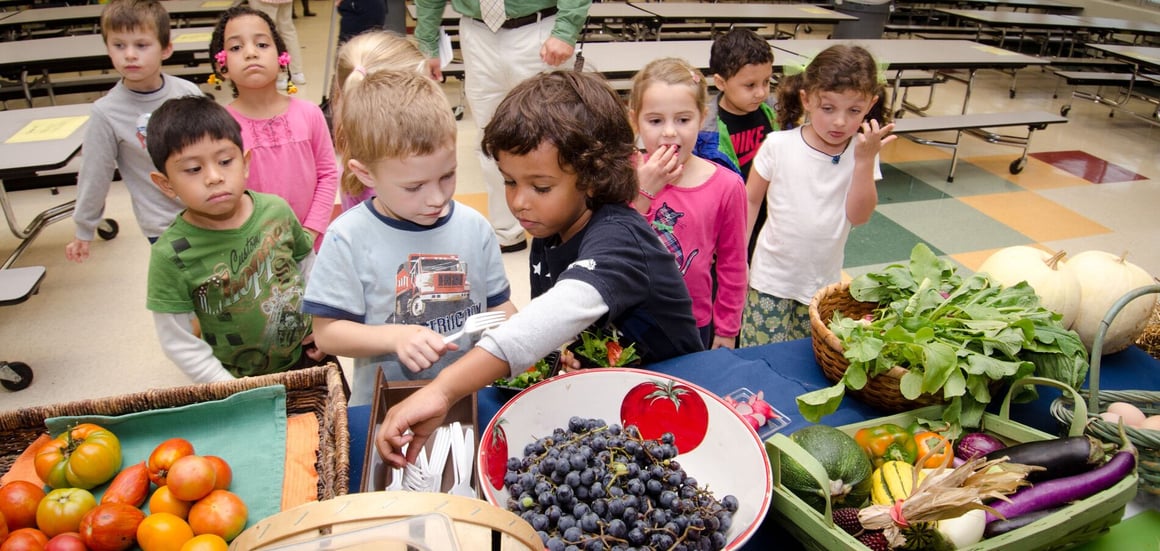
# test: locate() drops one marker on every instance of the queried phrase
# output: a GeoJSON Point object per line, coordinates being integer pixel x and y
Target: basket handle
{"type": "Point", "coordinates": [1098, 344]}
{"type": "Point", "coordinates": [779, 444]}
{"type": "Point", "coordinates": [1078, 420]}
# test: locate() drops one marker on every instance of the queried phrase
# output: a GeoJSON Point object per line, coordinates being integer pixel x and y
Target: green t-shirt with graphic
{"type": "Point", "coordinates": [244, 285]}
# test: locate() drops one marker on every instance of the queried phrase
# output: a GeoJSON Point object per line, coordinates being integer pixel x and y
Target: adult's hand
{"type": "Point", "coordinates": [421, 413]}
{"type": "Point", "coordinates": [435, 69]}
{"type": "Point", "coordinates": [556, 51]}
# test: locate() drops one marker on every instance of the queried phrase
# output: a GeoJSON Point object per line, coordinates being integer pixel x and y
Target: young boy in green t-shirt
{"type": "Point", "coordinates": [235, 260]}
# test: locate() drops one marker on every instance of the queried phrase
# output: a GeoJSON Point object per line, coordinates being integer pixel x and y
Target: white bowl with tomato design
{"type": "Point", "coordinates": [714, 444]}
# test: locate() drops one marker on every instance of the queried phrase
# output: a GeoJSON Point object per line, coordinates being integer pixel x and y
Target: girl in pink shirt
{"type": "Point", "coordinates": [696, 207]}
{"type": "Point", "coordinates": [287, 140]}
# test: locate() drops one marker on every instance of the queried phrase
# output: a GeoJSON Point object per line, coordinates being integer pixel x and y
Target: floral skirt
{"type": "Point", "coordinates": [773, 319]}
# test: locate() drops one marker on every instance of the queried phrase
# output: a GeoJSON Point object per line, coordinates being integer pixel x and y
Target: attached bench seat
{"type": "Point", "coordinates": [974, 124]}
{"type": "Point", "coordinates": [93, 82]}
{"type": "Point", "coordinates": [1100, 78]}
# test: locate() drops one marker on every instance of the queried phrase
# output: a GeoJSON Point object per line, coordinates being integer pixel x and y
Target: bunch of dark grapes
{"type": "Point", "coordinates": [597, 486]}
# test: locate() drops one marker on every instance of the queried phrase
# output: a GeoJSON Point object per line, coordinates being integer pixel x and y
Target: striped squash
{"type": "Point", "coordinates": [893, 481]}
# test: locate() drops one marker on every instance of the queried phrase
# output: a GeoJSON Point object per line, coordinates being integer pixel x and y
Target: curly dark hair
{"type": "Point", "coordinates": [838, 68]}
{"type": "Point", "coordinates": [217, 41]}
{"type": "Point", "coordinates": [737, 48]}
{"type": "Point", "coordinates": [583, 118]}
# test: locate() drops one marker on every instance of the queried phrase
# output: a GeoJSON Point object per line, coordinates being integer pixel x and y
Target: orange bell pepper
{"type": "Point", "coordinates": [887, 442]}
{"type": "Point", "coordinates": [929, 442]}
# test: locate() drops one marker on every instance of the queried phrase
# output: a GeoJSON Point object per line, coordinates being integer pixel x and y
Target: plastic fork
{"type": "Point", "coordinates": [415, 476]}
{"type": "Point", "coordinates": [439, 450]}
{"type": "Point", "coordinates": [477, 323]}
{"type": "Point", "coordinates": [462, 453]}
{"type": "Point", "coordinates": [396, 484]}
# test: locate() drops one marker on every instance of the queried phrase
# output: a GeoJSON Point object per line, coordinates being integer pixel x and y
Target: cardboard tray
{"type": "Point", "coordinates": [376, 474]}
{"type": "Point", "coordinates": [1078, 523]}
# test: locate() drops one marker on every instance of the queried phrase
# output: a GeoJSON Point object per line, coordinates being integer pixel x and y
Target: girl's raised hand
{"type": "Point", "coordinates": [872, 138]}
{"type": "Point", "coordinates": [662, 167]}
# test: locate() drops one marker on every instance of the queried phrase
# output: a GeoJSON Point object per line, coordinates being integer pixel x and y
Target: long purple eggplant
{"type": "Point", "coordinates": [1059, 491]}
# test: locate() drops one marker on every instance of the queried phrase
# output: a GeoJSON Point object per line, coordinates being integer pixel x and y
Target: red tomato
{"type": "Point", "coordinates": [657, 407]}
{"type": "Point", "coordinates": [163, 457]}
{"type": "Point", "coordinates": [68, 541]}
{"type": "Point", "coordinates": [25, 539]}
{"type": "Point", "coordinates": [62, 510]}
{"type": "Point", "coordinates": [111, 527]}
{"type": "Point", "coordinates": [495, 455]}
{"type": "Point", "coordinates": [223, 474]}
{"type": "Point", "coordinates": [614, 352]}
{"type": "Point", "coordinates": [191, 478]}
{"type": "Point", "coordinates": [130, 486]}
{"type": "Point", "coordinates": [18, 501]}
{"type": "Point", "coordinates": [221, 512]}
{"type": "Point", "coordinates": [3, 528]}
{"type": "Point", "coordinates": [84, 457]}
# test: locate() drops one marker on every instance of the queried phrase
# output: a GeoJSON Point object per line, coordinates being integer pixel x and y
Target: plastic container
{"type": "Point", "coordinates": [872, 16]}
{"type": "Point", "coordinates": [772, 425]}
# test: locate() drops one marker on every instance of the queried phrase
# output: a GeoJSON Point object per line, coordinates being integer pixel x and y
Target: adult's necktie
{"type": "Point", "coordinates": [493, 13]}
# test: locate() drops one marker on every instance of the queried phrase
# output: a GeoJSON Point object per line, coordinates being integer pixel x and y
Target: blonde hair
{"type": "Point", "coordinates": [672, 71]}
{"type": "Point", "coordinates": [366, 54]}
{"type": "Point", "coordinates": [390, 115]}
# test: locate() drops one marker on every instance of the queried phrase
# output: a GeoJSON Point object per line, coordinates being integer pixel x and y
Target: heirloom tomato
{"type": "Point", "coordinates": [62, 510]}
{"type": "Point", "coordinates": [130, 486]}
{"type": "Point", "coordinates": [25, 539]}
{"type": "Point", "coordinates": [163, 532]}
{"type": "Point", "coordinates": [163, 457]}
{"type": "Point", "coordinates": [3, 528]}
{"type": "Point", "coordinates": [162, 501]}
{"type": "Point", "coordinates": [221, 512]}
{"type": "Point", "coordinates": [206, 542]}
{"type": "Point", "coordinates": [111, 527]}
{"type": "Point", "coordinates": [223, 474]}
{"type": "Point", "coordinates": [18, 501]}
{"type": "Point", "coordinates": [190, 478]}
{"type": "Point", "coordinates": [85, 456]}
{"type": "Point", "coordinates": [68, 541]}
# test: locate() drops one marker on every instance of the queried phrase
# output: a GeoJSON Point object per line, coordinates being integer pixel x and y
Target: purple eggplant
{"type": "Point", "coordinates": [999, 527]}
{"type": "Point", "coordinates": [1060, 457]}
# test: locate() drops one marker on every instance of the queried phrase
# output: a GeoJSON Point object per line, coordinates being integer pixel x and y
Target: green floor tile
{"type": "Point", "coordinates": [969, 179]}
{"type": "Point", "coordinates": [897, 186]}
{"type": "Point", "coordinates": [952, 225]}
{"type": "Point", "coordinates": [880, 241]}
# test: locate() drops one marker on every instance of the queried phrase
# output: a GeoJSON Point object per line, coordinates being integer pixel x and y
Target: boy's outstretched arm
{"type": "Point", "coordinates": [417, 347]}
{"type": "Point", "coordinates": [93, 182]}
{"type": "Point", "coordinates": [190, 354]}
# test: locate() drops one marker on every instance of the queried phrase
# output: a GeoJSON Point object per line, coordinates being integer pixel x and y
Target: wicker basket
{"type": "Point", "coordinates": [1147, 442]}
{"type": "Point", "coordinates": [1149, 340]}
{"type": "Point", "coordinates": [316, 390]}
{"type": "Point", "coordinates": [881, 391]}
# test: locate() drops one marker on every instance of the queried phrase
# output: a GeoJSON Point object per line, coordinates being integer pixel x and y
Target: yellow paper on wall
{"type": "Point", "coordinates": [43, 130]}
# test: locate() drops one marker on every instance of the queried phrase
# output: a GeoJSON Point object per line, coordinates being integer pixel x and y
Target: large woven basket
{"type": "Point", "coordinates": [1147, 442]}
{"type": "Point", "coordinates": [1149, 339]}
{"type": "Point", "coordinates": [882, 391]}
{"type": "Point", "coordinates": [317, 390]}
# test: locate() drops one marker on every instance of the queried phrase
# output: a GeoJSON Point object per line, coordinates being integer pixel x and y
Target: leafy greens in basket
{"type": "Point", "coordinates": [955, 336]}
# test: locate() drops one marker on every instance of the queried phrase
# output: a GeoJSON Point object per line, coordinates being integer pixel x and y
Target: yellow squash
{"type": "Point", "coordinates": [893, 481]}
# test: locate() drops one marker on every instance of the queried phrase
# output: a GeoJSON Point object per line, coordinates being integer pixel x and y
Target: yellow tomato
{"type": "Point", "coordinates": [206, 542]}
{"type": "Point", "coordinates": [163, 532]}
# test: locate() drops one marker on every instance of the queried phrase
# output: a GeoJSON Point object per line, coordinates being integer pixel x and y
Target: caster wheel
{"type": "Point", "coordinates": [23, 373]}
{"type": "Point", "coordinates": [108, 229]}
{"type": "Point", "coordinates": [1063, 111]}
{"type": "Point", "coordinates": [898, 114]}
{"type": "Point", "coordinates": [1018, 165]}
{"type": "Point", "coordinates": [1011, 93]}
{"type": "Point", "coordinates": [808, 29]}
{"type": "Point", "coordinates": [458, 112]}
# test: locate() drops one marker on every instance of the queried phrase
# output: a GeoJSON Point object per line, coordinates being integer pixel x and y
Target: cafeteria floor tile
{"type": "Point", "coordinates": [1087, 166]}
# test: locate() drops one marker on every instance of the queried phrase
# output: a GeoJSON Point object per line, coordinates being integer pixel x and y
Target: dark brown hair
{"type": "Point", "coordinates": [128, 15]}
{"type": "Point", "coordinates": [583, 118]}
{"type": "Point", "coordinates": [218, 40]}
{"type": "Point", "coordinates": [839, 68]}
{"type": "Point", "coordinates": [737, 48]}
{"type": "Point", "coordinates": [182, 122]}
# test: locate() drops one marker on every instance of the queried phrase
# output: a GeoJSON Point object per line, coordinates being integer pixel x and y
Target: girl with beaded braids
{"type": "Point", "coordinates": [287, 139]}
{"type": "Point", "coordinates": [564, 146]}
{"type": "Point", "coordinates": [818, 179]}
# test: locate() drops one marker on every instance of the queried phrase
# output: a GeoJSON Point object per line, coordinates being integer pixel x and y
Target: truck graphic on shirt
{"type": "Point", "coordinates": [427, 278]}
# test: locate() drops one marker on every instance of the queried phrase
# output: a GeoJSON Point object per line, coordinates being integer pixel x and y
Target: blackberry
{"type": "Point", "coordinates": [874, 540]}
{"type": "Point", "coordinates": [847, 519]}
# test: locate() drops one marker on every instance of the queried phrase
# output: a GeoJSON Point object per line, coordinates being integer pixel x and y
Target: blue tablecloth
{"type": "Point", "coordinates": [783, 371]}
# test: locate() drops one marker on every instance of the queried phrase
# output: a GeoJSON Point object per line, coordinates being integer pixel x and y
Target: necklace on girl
{"type": "Point", "coordinates": [834, 159]}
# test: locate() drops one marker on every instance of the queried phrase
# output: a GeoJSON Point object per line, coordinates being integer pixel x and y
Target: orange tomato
{"type": "Point", "coordinates": [163, 532]}
{"type": "Point", "coordinates": [25, 539]}
{"type": "Point", "coordinates": [163, 501]}
{"type": "Point", "coordinates": [206, 542]}
{"type": "Point", "coordinates": [3, 528]}
{"type": "Point", "coordinates": [163, 457]}
{"type": "Point", "coordinates": [223, 475]}
{"type": "Point", "coordinates": [191, 478]}
{"type": "Point", "coordinates": [18, 501]}
{"type": "Point", "coordinates": [221, 512]}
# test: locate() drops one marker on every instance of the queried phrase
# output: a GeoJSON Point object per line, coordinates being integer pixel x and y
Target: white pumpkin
{"type": "Point", "coordinates": [1103, 279]}
{"type": "Point", "coordinates": [1045, 272]}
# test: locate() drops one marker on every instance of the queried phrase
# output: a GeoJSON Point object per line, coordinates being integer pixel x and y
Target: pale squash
{"type": "Point", "coordinates": [1103, 279]}
{"type": "Point", "coordinates": [1045, 272]}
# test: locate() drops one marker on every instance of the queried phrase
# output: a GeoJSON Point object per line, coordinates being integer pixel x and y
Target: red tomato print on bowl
{"type": "Point", "coordinates": [658, 407]}
{"type": "Point", "coordinates": [495, 455]}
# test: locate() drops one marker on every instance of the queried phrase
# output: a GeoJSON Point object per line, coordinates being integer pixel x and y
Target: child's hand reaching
{"type": "Point", "coordinates": [871, 139]}
{"type": "Point", "coordinates": [661, 168]}
{"type": "Point", "coordinates": [722, 342]}
{"type": "Point", "coordinates": [77, 250]}
{"type": "Point", "coordinates": [418, 347]}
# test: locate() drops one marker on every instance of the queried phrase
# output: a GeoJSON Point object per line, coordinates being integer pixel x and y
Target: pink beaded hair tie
{"type": "Point", "coordinates": [284, 59]}
{"type": "Point", "coordinates": [220, 58]}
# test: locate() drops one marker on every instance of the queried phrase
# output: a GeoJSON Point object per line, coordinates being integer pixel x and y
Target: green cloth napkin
{"type": "Point", "coordinates": [247, 429]}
